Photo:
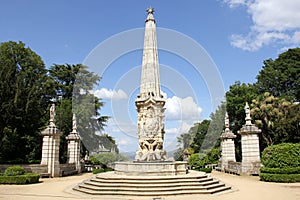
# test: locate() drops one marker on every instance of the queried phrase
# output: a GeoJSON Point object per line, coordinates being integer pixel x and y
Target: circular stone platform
{"type": "Point", "coordinates": [163, 168]}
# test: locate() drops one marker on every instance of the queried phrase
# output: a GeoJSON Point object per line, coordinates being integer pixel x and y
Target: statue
{"type": "Point", "coordinates": [52, 114]}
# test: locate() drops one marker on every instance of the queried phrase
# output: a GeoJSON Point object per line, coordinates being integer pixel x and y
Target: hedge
{"type": "Point", "coordinates": [281, 156]}
{"type": "Point", "coordinates": [207, 170]}
{"type": "Point", "coordinates": [282, 178]}
{"type": "Point", "coordinates": [288, 170]}
{"type": "Point", "coordinates": [20, 179]}
{"type": "Point", "coordinates": [14, 170]}
{"type": "Point", "coordinates": [101, 170]}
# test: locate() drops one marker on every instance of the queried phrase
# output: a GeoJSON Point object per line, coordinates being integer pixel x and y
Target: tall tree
{"type": "Point", "coordinates": [238, 94]}
{"type": "Point", "coordinates": [25, 90]}
{"type": "Point", "coordinates": [281, 77]}
{"type": "Point", "coordinates": [73, 84]}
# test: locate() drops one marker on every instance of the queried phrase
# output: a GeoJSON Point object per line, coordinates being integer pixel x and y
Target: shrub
{"type": "Point", "coordinates": [20, 179]}
{"type": "Point", "coordinates": [282, 178]}
{"type": "Point", "coordinates": [198, 160]}
{"type": "Point", "coordinates": [289, 170]}
{"type": "Point", "coordinates": [14, 170]}
{"type": "Point", "coordinates": [281, 156]}
{"type": "Point", "coordinates": [96, 171]}
{"type": "Point", "coordinates": [107, 158]}
{"type": "Point", "coordinates": [206, 170]}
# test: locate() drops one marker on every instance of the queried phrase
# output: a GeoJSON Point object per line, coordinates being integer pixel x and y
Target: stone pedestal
{"type": "Point", "coordinates": [50, 149]}
{"type": "Point", "coordinates": [165, 168]}
{"type": "Point", "coordinates": [250, 145]}
{"type": "Point", "coordinates": [227, 145]}
{"type": "Point", "coordinates": [74, 150]}
{"type": "Point", "coordinates": [74, 146]}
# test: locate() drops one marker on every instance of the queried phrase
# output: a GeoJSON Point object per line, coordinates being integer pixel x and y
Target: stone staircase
{"type": "Point", "coordinates": [113, 184]}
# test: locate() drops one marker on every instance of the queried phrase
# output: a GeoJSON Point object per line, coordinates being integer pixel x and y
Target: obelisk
{"type": "Point", "coordinates": [150, 102]}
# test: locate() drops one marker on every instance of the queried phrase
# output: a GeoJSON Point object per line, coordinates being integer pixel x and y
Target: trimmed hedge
{"type": "Point", "coordinates": [281, 156]}
{"type": "Point", "coordinates": [206, 170]}
{"type": "Point", "coordinates": [282, 178]}
{"type": "Point", "coordinates": [14, 171]}
{"type": "Point", "coordinates": [20, 179]}
{"type": "Point", "coordinates": [101, 170]}
{"type": "Point", "coordinates": [288, 170]}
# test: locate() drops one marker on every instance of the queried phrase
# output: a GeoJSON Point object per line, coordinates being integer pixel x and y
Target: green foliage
{"type": "Point", "coordinates": [101, 170]}
{"type": "Point", "coordinates": [25, 93]}
{"type": "Point", "coordinates": [20, 179]}
{"type": "Point", "coordinates": [287, 170]}
{"type": "Point", "coordinates": [199, 130]}
{"type": "Point", "coordinates": [284, 155]}
{"type": "Point", "coordinates": [206, 170]}
{"type": "Point", "coordinates": [279, 119]}
{"type": "Point", "coordinates": [73, 84]}
{"type": "Point", "coordinates": [108, 158]}
{"type": "Point", "coordinates": [282, 178]}
{"type": "Point", "coordinates": [238, 94]}
{"type": "Point", "coordinates": [14, 170]}
{"type": "Point", "coordinates": [281, 77]}
{"type": "Point", "coordinates": [200, 160]}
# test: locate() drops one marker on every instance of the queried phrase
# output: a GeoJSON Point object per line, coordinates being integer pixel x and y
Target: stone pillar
{"type": "Point", "coordinates": [227, 145]}
{"type": "Point", "coordinates": [50, 149]}
{"type": "Point", "coordinates": [74, 146]}
{"type": "Point", "coordinates": [250, 145]}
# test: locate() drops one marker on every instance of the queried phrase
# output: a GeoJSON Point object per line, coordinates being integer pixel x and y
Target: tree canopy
{"type": "Point", "coordinates": [27, 89]}
{"type": "Point", "coordinates": [25, 94]}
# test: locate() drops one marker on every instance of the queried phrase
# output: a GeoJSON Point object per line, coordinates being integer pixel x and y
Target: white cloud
{"type": "Point", "coordinates": [109, 94]}
{"type": "Point", "coordinates": [234, 3]}
{"type": "Point", "coordinates": [274, 21]}
{"type": "Point", "coordinates": [182, 109]}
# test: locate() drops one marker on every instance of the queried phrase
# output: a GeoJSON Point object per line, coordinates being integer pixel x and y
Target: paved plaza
{"type": "Point", "coordinates": [244, 187]}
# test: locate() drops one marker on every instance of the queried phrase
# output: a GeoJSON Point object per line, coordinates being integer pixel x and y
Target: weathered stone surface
{"type": "Point", "coordinates": [150, 103]}
{"type": "Point", "coordinates": [250, 145]}
{"type": "Point", "coordinates": [166, 168]}
{"type": "Point", "coordinates": [50, 149]}
{"type": "Point", "coordinates": [74, 146]}
{"type": "Point", "coordinates": [227, 145]}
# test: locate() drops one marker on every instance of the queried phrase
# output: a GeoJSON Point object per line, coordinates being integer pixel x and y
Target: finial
{"type": "Point", "coordinates": [226, 122]}
{"type": "Point", "coordinates": [248, 117]}
{"type": "Point", "coordinates": [74, 124]}
{"type": "Point", "coordinates": [150, 10]}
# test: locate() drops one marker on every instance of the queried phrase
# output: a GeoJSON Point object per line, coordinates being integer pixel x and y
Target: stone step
{"type": "Point", "coordinates": [208, 181]}
{"type": "Point", "coordinates": [114, 184]}
{"type": "Point", "coordinates": [149, 182]}
{"type": "Point", "coordinates": [152, 193]}
{"type": "Point", "coordinates": [149, 189]}
{"type": "Point", "coordinates": [112, 176]}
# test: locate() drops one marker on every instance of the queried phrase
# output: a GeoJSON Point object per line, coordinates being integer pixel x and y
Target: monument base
{"type": "Point", "coordinates": [163, 168]}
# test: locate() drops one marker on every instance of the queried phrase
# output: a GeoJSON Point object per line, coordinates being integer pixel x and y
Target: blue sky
{"type": "Point", "coordinates": [235, 35]}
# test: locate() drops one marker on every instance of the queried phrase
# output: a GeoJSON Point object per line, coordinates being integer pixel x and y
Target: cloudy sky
{"type": "Point", "coordinates": [204, 47]}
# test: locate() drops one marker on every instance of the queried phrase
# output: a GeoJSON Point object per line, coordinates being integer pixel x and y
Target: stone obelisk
{"type": "Point", "coordinates": [150, 102]}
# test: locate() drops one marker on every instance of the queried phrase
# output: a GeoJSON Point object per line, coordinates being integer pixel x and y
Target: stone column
{"type": "Point", "coordinates": [227, 145]}
{"type": "Point", "coordinates": [50, 149]}
{"type": "Point", "coordinates": [74, 146]}
{"type": "Point", "coordinates": [250, 145]}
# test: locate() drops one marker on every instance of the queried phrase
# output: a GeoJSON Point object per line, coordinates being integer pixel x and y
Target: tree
{"type": "Point", "coordinates": [73, 84]}
{"type": "Point", "coordinates": [200, 131]}
{"type": "Point", "coordinates": [278, 118]}
{"type": "Point", "coordinates": [281, 77]}
{"type": "Point", "coordinates": [236, 98]}
{"type": "Point", "coordinates": [25, 94]}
